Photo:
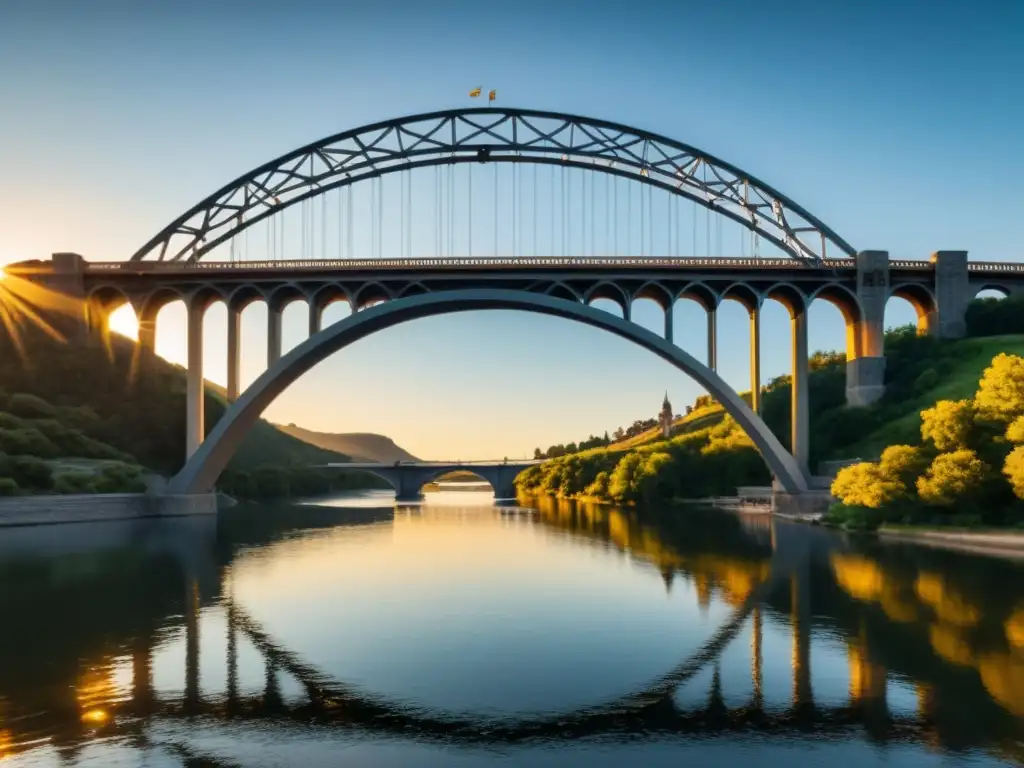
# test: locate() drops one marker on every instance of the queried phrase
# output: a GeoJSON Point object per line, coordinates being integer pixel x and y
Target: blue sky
{"type": "Point", "coordinates": [895, 123]}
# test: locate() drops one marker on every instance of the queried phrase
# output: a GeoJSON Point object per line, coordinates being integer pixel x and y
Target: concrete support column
{"type": "Point", "coordinates": [274, 315]}
{"type": "Point", "coordinates": [195, 416]}
{"type": "Point", "coordinates": [234, 354]}
{"type": "Point", "coordinates": [315, 318]}
{"type": "Point", "coordinates": [147, 334]}
{"type": "Point", "coordinates": [865, 356]}
{"type": "Point", "coordinates": [755, 360]}
{"type": "Point", "coordinates": [952, 294]}
{"type": "Point", "coordinates": [668, 322]}
{"type": "Point", "coordinates": [800, 428]}
{"type": "Point", "coordinates": [713, 339]}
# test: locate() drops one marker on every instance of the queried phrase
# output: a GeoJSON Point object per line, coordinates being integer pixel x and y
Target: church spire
{"type": "Point", "coordinates": [665, 403]}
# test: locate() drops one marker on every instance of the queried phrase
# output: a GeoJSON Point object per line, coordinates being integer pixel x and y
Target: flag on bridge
{"type": "Point", "coordinates": [492, 96]}
{"type": "Point", "coordinates": [474, 93]}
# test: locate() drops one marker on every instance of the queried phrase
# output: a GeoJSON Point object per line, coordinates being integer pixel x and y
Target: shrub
{"type": "Point", "coordinates": [927, 380]}
{"type": "Point", "coordinates": [27, 441]}
{"type": "Point", "coordinates": [74, 482]}
{"type": "Point", "coordinates": [948, 424]}
{"type": "Point", "coordinates": [1001, 389]}
{"type": "Point", "coordinates": [120, 478]}
{"type": "Point", "coordinates": [10, 421]}
{"type": "Point", "coordinates": [30, 407]}
{"type": "Point", "coordinates": [30, 472]}
{"type": "Point", "coordinates": [953, 478]}
{"type": "Point", "coordinates": [866, 485]}
{"type": "Point", "coordinates": [9, 487]}
{"type": "Point", "coordinates": [1013, 469]}
{"type": "Point", "coordinates": [903, 463]}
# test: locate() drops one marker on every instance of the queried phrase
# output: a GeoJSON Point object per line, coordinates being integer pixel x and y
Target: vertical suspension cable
{"type": "Point", "coordinates": [535, 188]}
{"type": "Point", "coordinates": [694, 222]}
{"type": "Point", "coordinates": [707, 214]}
{"type": "Point", "coordinates": [615, 215]}
{"type": "Point", "coordinates": [643, 222]}
{"type": "Point", "coordinates": [629, 218]}
{"type": "Point", "coordinates": [583, 212]}
{"type": "Point", "coordinates": [593, 216]}
{"type": "Point", "coordinates": [349, 224]}
{"type": "Point", "coordinates": [650, 219]}
{"type": "Point", "coordinates": [607, 215]}
{"type": "Point", "coordinates": [401, 214]}
{"type": "Point", "coordinates": [517, 211]}
{"type": "Point", "coordinates": [470, 167]}
{"type": "Point", "coordinates": [551, 207]}
{"type": "Point", "coordinates": [495, 210]}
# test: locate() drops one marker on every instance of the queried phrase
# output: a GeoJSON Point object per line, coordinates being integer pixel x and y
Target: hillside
{"type": "Point", "coordinates": [136, 406]}
{"type": "Point", "coordinates": [708, 455]}
{"type": "Point", "coordinates": [358, 446]}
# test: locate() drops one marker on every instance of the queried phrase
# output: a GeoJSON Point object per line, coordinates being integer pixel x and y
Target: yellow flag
{"type": "Point", "coordinates": [474, 93]}
{"type": "Point", "coordinates": [492, 96]}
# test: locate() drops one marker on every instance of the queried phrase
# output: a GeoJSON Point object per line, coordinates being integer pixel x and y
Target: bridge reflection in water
{"type": "Point", "coordinates": [930, 622]}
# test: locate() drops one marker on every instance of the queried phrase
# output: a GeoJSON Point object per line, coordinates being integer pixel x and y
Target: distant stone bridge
{"type": "Point", "coordinates": [409, 477]}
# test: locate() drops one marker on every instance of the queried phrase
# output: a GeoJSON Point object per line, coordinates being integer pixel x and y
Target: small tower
{"type": "Point", "coordinates": [665, 418]}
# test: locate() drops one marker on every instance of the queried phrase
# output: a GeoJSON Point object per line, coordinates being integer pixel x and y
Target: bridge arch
{"type": "Point", "coordinates": [507, 135]}
{"type": "Point", "coordinates": [206, 464]}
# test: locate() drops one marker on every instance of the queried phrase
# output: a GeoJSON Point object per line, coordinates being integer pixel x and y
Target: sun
{"type": "Point", "coordinates": [124, 322]}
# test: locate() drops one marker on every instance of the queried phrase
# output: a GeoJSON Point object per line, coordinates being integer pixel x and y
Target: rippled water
{"type": "Point", "coordinates": [460, 633]}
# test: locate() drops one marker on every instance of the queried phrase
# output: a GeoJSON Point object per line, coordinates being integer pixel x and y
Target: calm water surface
{"type": "Point", "coordinates": [457, 633]}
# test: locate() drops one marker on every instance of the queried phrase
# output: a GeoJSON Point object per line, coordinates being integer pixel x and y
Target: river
{"type": "Point", "coordinates": [457, 633]}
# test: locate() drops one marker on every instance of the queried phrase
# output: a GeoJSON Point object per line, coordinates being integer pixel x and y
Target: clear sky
{"type": "Point", "coordinates": [897, 123]}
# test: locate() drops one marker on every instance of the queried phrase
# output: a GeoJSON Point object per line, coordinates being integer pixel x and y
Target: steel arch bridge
{"type": "Point", "coordinates": [496, 135]}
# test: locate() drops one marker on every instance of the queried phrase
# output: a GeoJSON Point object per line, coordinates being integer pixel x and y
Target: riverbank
{"type": "Point", "coordinates": [989, 541]}
{"type": "Point", "coordinates": [101, 507]}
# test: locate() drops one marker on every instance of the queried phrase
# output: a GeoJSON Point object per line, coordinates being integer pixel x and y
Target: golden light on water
{"type": "Point", "coordinates": [95, 716]}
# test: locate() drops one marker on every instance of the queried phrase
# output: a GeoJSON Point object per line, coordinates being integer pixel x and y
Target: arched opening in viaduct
{"type": "Point", "coordinates": [205, 465]}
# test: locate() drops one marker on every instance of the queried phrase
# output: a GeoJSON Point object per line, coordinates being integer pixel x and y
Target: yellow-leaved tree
{"type": "Point", "coordinates": [953, 477]}
{"type": "Point", "coordinates": [1000, 394]}
{"type": "Point", "coordinates": [866, 485]}
{"type": "Point", "coordinates": [948, 424]}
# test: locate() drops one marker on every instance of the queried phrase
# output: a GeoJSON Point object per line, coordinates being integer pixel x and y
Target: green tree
{"type": "Point", "coordinates": [948, 424]}
{"type": "Point", "coordinates": [1000, 394]}
{"type": "Point", "coordinates": [955, 477]}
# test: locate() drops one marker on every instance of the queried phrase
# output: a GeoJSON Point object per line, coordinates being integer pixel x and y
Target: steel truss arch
{"type": "Point", "coordinates": [492, 134]}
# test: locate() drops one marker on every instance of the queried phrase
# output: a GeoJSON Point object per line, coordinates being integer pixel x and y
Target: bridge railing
{"type": "Point", "coordinates": [496, 262]}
